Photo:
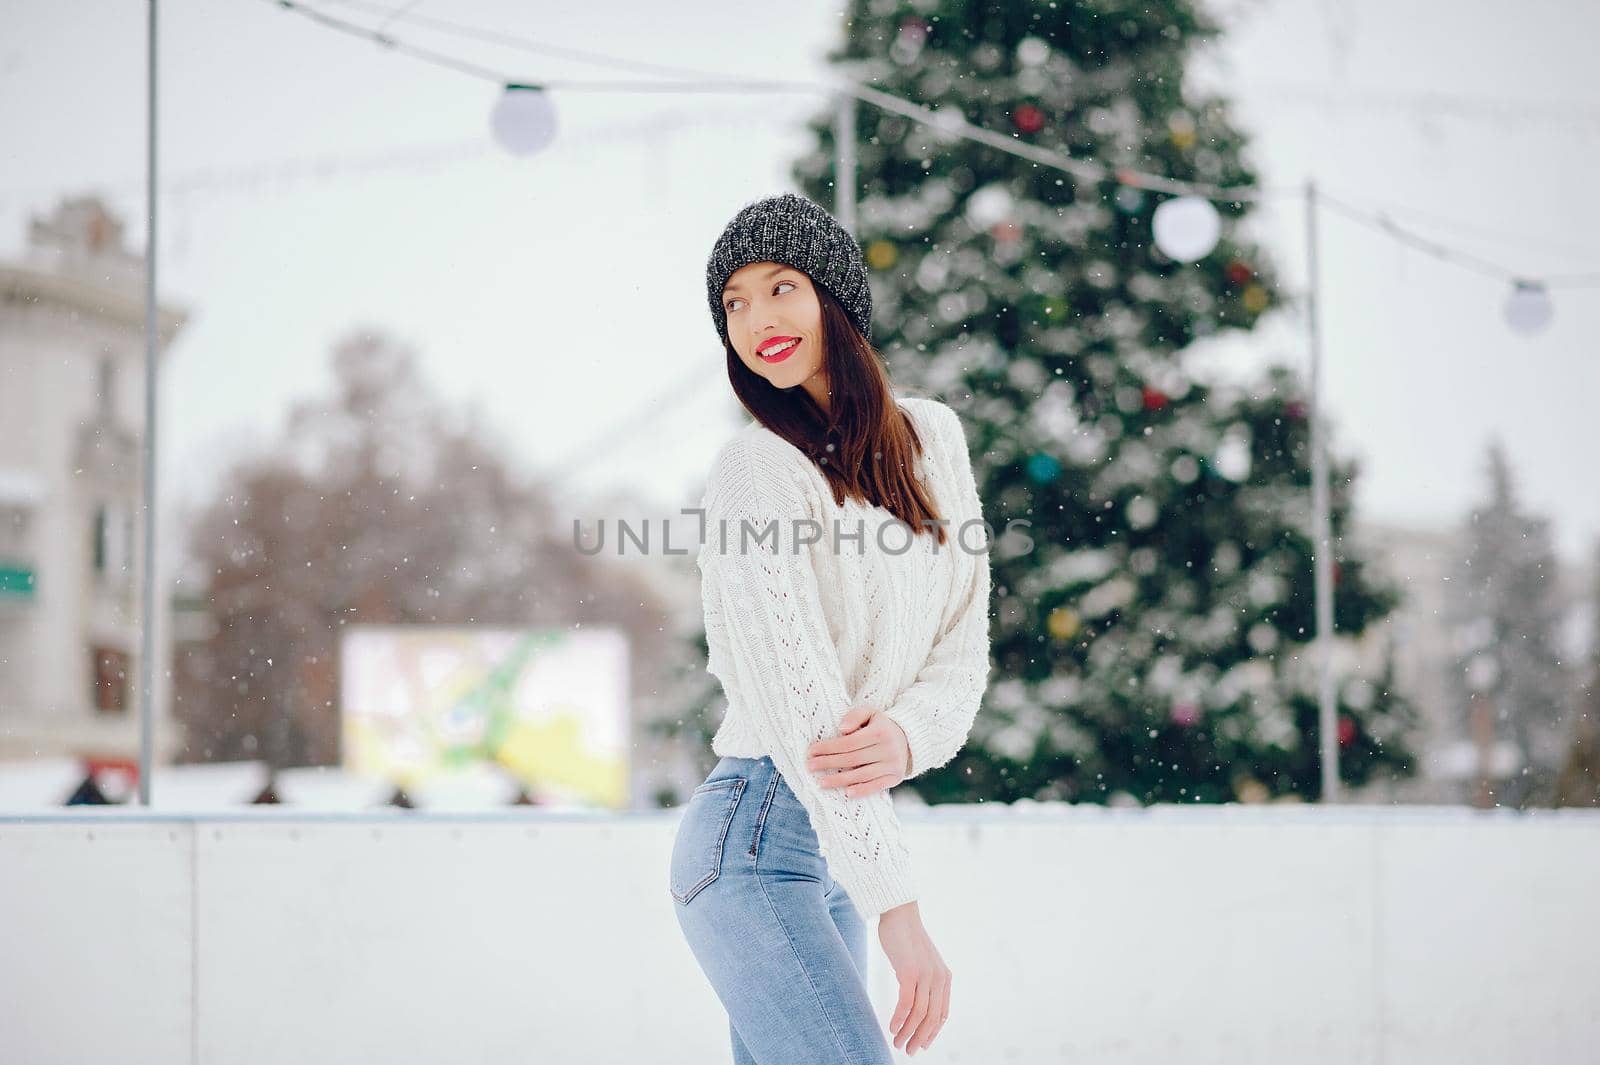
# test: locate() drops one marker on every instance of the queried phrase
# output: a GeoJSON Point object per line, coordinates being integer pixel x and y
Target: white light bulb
{"type": "Point", "coordinates": [1186, 228]}
{"type": "Point", "coordinates": [523, 120]}
{"type": "Point", "coordinates": [1528, 309]}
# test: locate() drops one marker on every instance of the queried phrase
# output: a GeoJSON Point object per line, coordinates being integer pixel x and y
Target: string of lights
{"type": "Point", "coordinates": [498, 77]}
{"type": "Point", "coordinates": [1189, 219]}
{"type": "Point", "coordinates": [1188, 223]}
{"type": "Point", "coordinates": [1383, 223]}
{"type": "Point", "coordinates": [946, 120]}
{"type": "Point", "coordinates": [1431, 104]}
{"type": "Point", "coordinates": [268, 174]}
{"type": "Point", "coordinates": [1505, 237]}
{"type": "Point", "coordinates": [487, 35]}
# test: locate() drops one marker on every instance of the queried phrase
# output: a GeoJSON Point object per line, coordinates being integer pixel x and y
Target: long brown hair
{"type": "Point", "coordinates": [874, 444]}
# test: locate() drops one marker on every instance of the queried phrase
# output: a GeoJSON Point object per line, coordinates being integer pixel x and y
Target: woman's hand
{"type": "Point", "coordinates": [924, 978]}
{"type": "Point", "coordinates": [870, 754]}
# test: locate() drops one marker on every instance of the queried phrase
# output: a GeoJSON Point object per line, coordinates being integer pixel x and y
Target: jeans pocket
{"type": "Point", "coordinates": [697, 851]}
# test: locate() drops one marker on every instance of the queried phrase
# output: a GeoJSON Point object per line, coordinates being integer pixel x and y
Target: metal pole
{"type": "Point", "coordinates": [1321, 531]}
{"type": "Point", "coordinates": [844, 161]}
{"type": "Point", "coordinates": [147, 612]}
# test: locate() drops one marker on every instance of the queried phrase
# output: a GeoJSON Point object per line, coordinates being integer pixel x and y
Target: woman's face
{"type": "Point", "coordinates": [769, 305]}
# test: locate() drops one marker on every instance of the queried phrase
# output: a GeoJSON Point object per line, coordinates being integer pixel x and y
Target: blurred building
{"type": "Point", "coordinates": [1417, 635]}
{"type": "Point", "coordinates": [71, 471]}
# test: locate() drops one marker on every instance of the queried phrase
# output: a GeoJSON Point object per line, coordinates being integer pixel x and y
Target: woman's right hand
{"type": "Point", "coordinates": [924, 978]}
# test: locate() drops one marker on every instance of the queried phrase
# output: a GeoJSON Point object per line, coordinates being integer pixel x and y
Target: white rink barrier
{"type": "Point", "coordinates": [1232, 934]}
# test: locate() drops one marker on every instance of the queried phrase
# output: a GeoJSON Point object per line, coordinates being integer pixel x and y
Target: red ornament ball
{"type": "Point", "coordinates": [1238, 271]}
{"type": "Point", "coordinates": [1295, 409]}
{"type": "Point", "coordinates": [914, 30]}
{"type": "Point", "coordinates": [1347, 731]}
{"type": "Point", "coordinates": [1028, 119]}
{"type": "Point", "coordinates": [1154, 398]}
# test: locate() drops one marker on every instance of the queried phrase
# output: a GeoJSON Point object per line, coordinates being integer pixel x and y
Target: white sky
{"type": "Point", "coordinates": [561, 294]}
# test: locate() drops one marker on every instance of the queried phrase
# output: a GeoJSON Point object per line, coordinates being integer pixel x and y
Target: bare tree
{"type": "Point", "coordinates": [376, 505]}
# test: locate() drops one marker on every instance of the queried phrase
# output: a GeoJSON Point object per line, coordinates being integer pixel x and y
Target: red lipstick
{"type": "Point", "coordinates": [777, 342]}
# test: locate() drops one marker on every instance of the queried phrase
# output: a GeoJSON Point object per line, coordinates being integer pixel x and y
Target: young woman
{"type": "Point", "coordinates": [845, 583]}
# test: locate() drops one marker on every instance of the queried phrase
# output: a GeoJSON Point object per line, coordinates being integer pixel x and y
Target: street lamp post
{"type": "Point", "coordinates": [844, 161]}
{"type": "Point", "coordinates": [1321, 528]}
{"type": "Point", "coordinates": [147, 597]}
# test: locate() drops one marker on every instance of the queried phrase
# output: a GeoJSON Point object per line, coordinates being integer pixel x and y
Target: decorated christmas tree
{"type": "Point", "coordinates": [1152, 623]}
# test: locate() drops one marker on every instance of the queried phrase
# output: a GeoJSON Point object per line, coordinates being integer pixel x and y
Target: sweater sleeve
{"type": "Point", "coordinates": [769, 644]}
{"type": "Point", "coordinates": [937, 708]}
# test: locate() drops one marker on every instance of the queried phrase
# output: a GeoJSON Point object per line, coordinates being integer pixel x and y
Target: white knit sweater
{"type": "Point", "coordinates": [799, 633]}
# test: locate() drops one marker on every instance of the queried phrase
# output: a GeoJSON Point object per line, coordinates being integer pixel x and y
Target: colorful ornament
{"type": "Point", "coordinates": [1154, 398]}
{"type": "Point", "coordinates": [1347, 731]}
{"type": "Point", "coordinates": [1063, 623]}
{"type": "Point", "coordinates": [1180, 127]}
{"type": "Point", "coordinates": [990, 206]}
{"type": "Point", "coordinates": [1043, 468]}
{"type": "Point", "coordinates": [1028, 119]}
{"type": "Point", "coordinates": [1185, 712]}
{"type": "Point", "coordinates": [1255, 298]}
{"type": "Point", "coordinates": [881, 254]}
{"type": "Point", "coordinates": [1249, 789]}
{"type": "Point", "coordinates": [1238, 271]}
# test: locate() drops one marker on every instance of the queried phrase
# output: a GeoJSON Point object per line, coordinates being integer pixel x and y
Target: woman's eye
{"type": "Point", "coordinates": [731, 302]}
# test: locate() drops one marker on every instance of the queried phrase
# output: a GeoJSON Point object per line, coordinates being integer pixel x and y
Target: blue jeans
{"type": "Point", "coordinates": [780, 940]}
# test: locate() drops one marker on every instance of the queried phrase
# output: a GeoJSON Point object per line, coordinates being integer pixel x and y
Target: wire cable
{"type": "Point", "coordinates": [947, 120]}
{"type": "Point", "coordinates": [1384, 223]}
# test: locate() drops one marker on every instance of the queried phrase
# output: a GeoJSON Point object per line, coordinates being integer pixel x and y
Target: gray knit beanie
{"type": "Point", "coordinates": [792, 230]}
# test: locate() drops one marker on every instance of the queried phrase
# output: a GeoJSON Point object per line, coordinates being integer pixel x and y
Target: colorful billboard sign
{"type": "Point", "coordinates": [550, 706]}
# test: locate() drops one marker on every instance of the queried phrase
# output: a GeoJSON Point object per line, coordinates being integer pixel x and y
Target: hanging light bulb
{"type": "Point", "coordinates": [523, 120]}
{"type": "Point", "coordinates": [1528, 308]}
{"type": "Point", "coordinates": [1186, 228]}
